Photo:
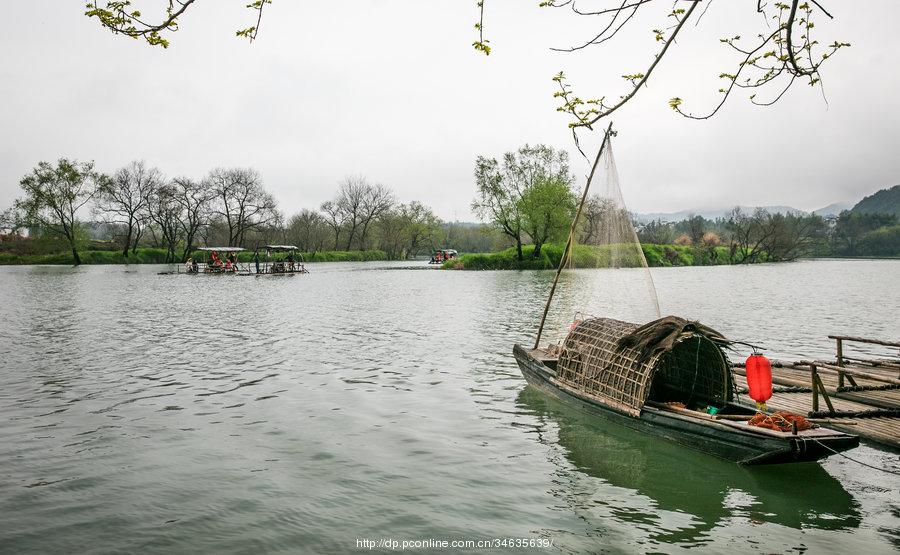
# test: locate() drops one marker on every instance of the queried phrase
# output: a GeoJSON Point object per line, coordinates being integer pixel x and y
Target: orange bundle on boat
{"type": "Point", "coordinates": [782, 421]}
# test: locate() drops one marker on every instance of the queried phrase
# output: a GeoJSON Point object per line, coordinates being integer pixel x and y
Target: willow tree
{"type": "Point", "coordinates": [55, 194]}
{"type": "Point", "coordinates": [767, 64]}
{"type": "Point", "coordinates": [523, 193]}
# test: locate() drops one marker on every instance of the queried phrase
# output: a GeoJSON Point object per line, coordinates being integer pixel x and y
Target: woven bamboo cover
{"type": "Point", "coordinates": [590, 362]}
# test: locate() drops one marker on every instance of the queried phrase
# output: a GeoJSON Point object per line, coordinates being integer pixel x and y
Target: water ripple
{"type": "Point", "coordinates": [153, 413]}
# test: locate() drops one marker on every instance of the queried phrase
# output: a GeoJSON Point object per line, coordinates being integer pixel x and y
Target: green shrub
{"type": "Point", "coordinates": [591, 256]}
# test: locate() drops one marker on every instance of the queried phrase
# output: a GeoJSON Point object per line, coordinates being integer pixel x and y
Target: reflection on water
{"type": "Point", "coordinates": [221, 414]}
{"type": "Point", "coordinates": [650, 480]}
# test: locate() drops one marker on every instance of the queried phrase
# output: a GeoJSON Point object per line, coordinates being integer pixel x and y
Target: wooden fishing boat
{"type": "Point", "coordinates": [670, 377]}
{"type": "Point", "coordinates": [667, 390]}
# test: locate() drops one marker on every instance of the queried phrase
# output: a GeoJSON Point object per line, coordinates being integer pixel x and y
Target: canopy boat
{"type": "Point", "coordinates": [442, 255]}
{"type": "Point", "coordinates": [285, 265]}
{"type": "Point", "coordinates": [216, 260]}
{"type": "Point", "coordinates": [671, 377]}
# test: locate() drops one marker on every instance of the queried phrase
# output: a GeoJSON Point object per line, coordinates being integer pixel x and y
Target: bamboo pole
{"type": "Point", "coordinates": [565, 255]}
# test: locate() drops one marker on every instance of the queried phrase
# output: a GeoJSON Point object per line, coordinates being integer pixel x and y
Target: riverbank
{"type": "Point", "coordinates": [150, 255]}
{"type": "Point", "coordinates": [587, 257]}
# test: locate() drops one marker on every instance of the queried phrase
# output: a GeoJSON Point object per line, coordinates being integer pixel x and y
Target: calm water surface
{"type": "Point", "coordinates": [217, 414]}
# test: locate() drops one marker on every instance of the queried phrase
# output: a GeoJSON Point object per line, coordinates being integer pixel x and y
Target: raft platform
{"type": "Point", "coordinates": [856, 394]}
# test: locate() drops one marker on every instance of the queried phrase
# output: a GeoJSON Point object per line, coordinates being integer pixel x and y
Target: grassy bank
{"type": "Point", "coordinates": [150, 255]}
{"type": "Point", "coordinates": [142, 256]}
{"type": "Point", "coordinates": [591, 257]}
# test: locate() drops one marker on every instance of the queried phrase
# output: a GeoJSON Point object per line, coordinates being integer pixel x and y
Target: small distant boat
{"type": "Point", "coordinates": [288, 265]}
{"type": "Point", "coordinates": [442, 255]}
{"type": "Point", "coordinates": [216, 261]}
{"type": "Point", "coordinates": [679, 387]}
{"type": "Point", "coordinates": [224, 261]}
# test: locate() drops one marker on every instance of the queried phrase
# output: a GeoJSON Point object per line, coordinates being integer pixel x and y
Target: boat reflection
{"type": "Point", "coordinates": [677, 494]}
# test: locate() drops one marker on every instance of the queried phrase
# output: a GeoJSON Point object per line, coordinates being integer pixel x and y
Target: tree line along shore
{"type": "Point", "coordinates": [526, 201]}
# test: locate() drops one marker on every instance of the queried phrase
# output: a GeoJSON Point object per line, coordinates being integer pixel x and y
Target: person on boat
{"type": "Point", "coordinates": [290, 261]}
{"type": "Point", "coordinates": [228, 265]}
{"type": "Point", "coordinates": [195, 267]}
{"type": "Point", "coordinates": [256, 260]}
{"type": "Point", "coordinates": [189, 265]}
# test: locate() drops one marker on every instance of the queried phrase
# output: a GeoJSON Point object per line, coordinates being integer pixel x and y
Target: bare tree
{"type": "Point", "coordinates": [749, 235]}
{"type": "Point", "coordinates": [377, 199]}
{"type": "Point", "coordinates": [242, 201]}
{"type": "Point", "coordinates": [122, 199]}
{"type": "Point", "coordinates": [790, 236]}
{"type": "Point", "coordinates": [166, 214]}
{"type": "Point", "coordinates": [195, 199]}
{"type": "Point", "coordinates": [305, 230]}
{"type": "Point", "coordinates": [54, 194]}
{"type": "Point", "coordinates": [350, 201]}
{"type": "Point", "coordinates": [334, 219]}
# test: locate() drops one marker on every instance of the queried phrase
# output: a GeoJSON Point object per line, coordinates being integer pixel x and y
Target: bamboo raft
{"type": "Point", "coordinates": [851, 394]}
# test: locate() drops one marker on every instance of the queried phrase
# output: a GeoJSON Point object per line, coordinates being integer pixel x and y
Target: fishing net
{"type": "Point", "coordinates": [606, 272]}
{"type": "Point", "coordinates": [781, 421]}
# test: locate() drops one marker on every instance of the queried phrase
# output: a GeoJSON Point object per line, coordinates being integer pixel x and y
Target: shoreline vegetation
{"type": "Point", "coordinates": [590, 257]}
{"type": "Point", "coordinates": [658, 256]}
{"type": "Point", "coordinates": [526, 201]}
{"type": "Point", "coordinates": [151, 255]}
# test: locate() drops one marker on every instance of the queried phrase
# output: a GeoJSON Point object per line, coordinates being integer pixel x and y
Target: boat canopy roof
{"type": "Point", "coordinates": [623, 366]}
{"type": "Point", "coordinates": [280, 248]}
{"type": "Point", "coordinates": [221, 249]}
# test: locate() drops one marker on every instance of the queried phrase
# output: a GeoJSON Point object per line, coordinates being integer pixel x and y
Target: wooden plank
{"type": "Point", "coordinates": [865, 340]}
{"type": "Point", "coordinates": [849, 371]}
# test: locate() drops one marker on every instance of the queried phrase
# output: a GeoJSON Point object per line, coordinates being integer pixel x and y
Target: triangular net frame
{"type": "Point", "coordinates": [605, 272]}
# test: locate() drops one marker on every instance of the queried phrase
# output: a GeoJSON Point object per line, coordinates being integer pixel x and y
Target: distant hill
{"type": "Point", "coordinates": [833, 209]}
{"type": "Point", "coordinates": [885, 201]}
{"type": "Point", "coordinates": [711, 214]}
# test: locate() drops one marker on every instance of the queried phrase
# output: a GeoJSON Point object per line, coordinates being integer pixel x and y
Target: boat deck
{"type": "Point", "coordinates": [873, 415]}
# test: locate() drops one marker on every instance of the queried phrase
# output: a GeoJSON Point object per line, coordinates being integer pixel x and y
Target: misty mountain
{"type": "Point", "coordinates": [711, 214]}
{"type": "Point", "coordinates": [885, 201]}
{"type": "Point", "coordinates": [833, 209]}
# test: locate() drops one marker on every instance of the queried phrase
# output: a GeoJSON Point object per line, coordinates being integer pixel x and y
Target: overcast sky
{"type": "Point", "coordinates": [392, 89]}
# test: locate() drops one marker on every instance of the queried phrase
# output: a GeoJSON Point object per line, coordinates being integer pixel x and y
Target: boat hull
{"type": "Point", "coordinates": [714, 438]}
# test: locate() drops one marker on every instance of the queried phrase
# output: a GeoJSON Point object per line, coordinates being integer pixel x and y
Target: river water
{"type": "Point", "coordinates": [217, 414]}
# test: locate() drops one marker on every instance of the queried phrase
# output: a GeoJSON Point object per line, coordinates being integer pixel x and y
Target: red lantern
{"type": "Point", "coordinates": [759, 380]}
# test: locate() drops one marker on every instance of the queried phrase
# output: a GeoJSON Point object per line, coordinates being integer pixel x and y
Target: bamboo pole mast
{"type": "Point", "coordinates": [565, 255]}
